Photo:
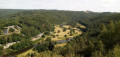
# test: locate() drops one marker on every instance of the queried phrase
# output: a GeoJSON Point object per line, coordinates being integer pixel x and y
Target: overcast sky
{"type": "Point", "coordinates": [75, 5]}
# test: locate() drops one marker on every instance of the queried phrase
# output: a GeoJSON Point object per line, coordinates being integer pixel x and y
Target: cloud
{"type": "Point", "coordinates": [76, 5]}
{"type": "Point", "coordinates": [110, 1]}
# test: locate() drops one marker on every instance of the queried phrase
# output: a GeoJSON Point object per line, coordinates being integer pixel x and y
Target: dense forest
{"type": "Point", "coordinates": [100, 38]}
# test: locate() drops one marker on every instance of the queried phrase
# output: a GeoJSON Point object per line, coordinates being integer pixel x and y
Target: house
{"type": "Point", "coordinates": [5, 31]}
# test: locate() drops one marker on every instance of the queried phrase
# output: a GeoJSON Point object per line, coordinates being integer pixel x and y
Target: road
{"type": "Point", "coordinates": [37, 37]}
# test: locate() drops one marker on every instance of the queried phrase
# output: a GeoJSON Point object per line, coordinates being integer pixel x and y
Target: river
{"type": "Point", "coordinates": [32, 46]}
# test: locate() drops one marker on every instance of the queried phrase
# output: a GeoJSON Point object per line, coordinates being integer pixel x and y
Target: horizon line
{"type": "Point", "coordinates": [63, 10]}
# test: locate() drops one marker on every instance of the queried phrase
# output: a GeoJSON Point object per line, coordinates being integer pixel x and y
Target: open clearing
{"type": "Point", "coordinates": [60, 34]}
{"type": "Point", "coordinates": [60, 45]}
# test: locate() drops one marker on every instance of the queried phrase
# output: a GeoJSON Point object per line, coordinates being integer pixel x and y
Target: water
{"type": "Point", "coordinates": [63, 41]}
{"type": "Point", "coordinates": [32, 46]}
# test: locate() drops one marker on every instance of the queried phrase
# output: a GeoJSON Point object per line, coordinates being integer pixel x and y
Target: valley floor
{"type": "Point", "coordinates": [59, 34]}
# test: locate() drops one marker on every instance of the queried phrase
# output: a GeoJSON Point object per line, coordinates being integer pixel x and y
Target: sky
{"type": "Point", "coordinates": [74, 5]}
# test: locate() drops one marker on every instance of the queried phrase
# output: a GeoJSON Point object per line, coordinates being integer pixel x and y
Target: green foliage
{"type": "Point", "coordinates": [47, 33]}
{"type": "Point", "coordinates": [65, 35]}
{"type": "Point", "coordinates": [5, 12]}
{"type": "Point", "coordinates": [16, 27]}
{"type": "Point", "coordinates": [110, 37]}
{"type": "Point", "coordinates": [11, 30]}
{"type": "Point", "coordinates": [94, 42]}
{"type": "Point", "coordinates": [1, 47]}
{"type": "Point", "coordinates": [58, 31]}
{"type": "Point", "coordinates": [57, 35]}
{"type": "Point", "coordinates": [41, 47]}
{"type": "Point", "coordinates": [64, 29]}
{"type": "Point", "coordinates": [30, 31]}
{"type": "Point", "coordinates": [15, 37]}
{"type": "Point", "coordinates": [44, 46]}
{"type": "Point", "coordinates": [1, 50]}
{"type": "Point", "coordinates": [23, 44]}
{"type": "Point", "coordinates": [3, 40]}
{"type": "Point", "coordinates": [71, 34]}
{"type": "Point", "coordinates": [53, 36]}
{"type": "Point", "coordinates": [12, 38]}
{"type": "Point", "coordinates": [43, 36]}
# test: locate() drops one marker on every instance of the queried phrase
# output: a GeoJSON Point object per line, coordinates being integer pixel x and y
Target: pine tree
{"type": "Point", "coordinates": [103, 28]}
{"type": "Point", "coordinates": [111, 26]}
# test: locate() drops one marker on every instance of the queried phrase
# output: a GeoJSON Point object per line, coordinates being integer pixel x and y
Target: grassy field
{"type": "Point", "coordinates": [60, 35]}
{"type": "Point", "coordinates": [26, 53]}
{"type": "Point", "coordinates": [60, 45]}
{"type": "Point", "coordinates": [80, 25]}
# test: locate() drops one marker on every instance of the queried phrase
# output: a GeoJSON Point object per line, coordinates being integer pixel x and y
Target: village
{"type": "Point", "coordinates": [8, 31]}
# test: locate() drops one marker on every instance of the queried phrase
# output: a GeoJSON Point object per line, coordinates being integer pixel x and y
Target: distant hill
{"type": "Point", "coordinates": [4, 12]}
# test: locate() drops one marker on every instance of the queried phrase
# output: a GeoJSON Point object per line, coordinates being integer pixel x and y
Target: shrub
{"type": "Point", "coordinates": [11, 30]}
{"type": "Point", "coordinates": [53, 36]}
{"type": "Point", "coordinates": [65, 35]}
{"type": "Point", "coordinates": [58, 31]}
{"type": "Point", "coordinates": [64, 29]}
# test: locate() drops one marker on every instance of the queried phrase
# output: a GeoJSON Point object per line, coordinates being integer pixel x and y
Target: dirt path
{"type": "Point", "coordinates": [37, 37]}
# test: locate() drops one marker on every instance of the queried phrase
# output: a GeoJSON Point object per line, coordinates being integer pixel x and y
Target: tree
{"type": "Point", "coordinates": [32, 55]}
{"type": "Point", "coordinates": [1, 32]}
{"type": "Point", "coordinates": [57, 35]}
{"type": "Point", "coordinates": [1, 50]}
{"type": "Point", "coordinates": [111, 26]}
{"type": "Point", "coordinates": [103, 28]}
{"type": "Point", "coordinates": [53, 36]}
{"type": "Point", "coordinates": [58, 31]}
{"type": "Point", "coordinates": [43, 36]}
{"type": "Point", "coordinates": [1, 47]}
{"type": "Point", "coordinates": [71, 34]}
{"type": "Point", "coordinates": [65, 35]}
{"type": "Point", "coordinates": [51, 46]}
{"type": "Point", "coordinates": [64, 29]}
{"type": "Point", "coordinates": [16, 27]}
{"type": "Point", "coordinates": [11, 30]}
{"type": "Point", "coordinates": [42, 47]}
{"type": "Point", "coordinates": [48, 39]}
{"type": "Point", "coordinates": [47, 33]}
{"type": "Point", "coordinates": [9, 39]}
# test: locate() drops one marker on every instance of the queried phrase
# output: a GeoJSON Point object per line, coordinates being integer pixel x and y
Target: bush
{"type": "Point", "coordinates": [71, 34]}
{"type": "Point", "coordinates": [11, 30]}
{"type": "Point", "coordinates": [15, 27]}
{"type": "Point", "coordinates": [47, 33]}
{"type": "Point", "coordinates": [53, 36]}
{"type": "Point", "coordinates": [58, 31]}
{"type": "Point", "coordinates": [65, 35]}
{"type": "Point", "coordinates": [48, 39]}
{"type": "Point", "coordinates": [64, 29]}
{"type": "Point", "coordinates": [42, 47]}
{"type": "Point", "coordinates": [1, 47]}
{"type": "Point", "coordinates": [57, 35]}
{"type": "Point", "coordinates": [43, 36]}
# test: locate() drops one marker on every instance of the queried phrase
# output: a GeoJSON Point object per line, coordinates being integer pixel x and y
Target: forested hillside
{"type": "Point", "coordinates": [5, 12]}
{"type": "Point", "coordinates": [100, 38]}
